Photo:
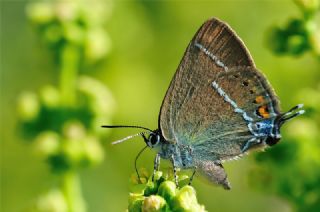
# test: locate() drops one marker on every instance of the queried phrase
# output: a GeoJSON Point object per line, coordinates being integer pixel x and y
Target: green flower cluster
{"type": "Point", "coordinates": [162, 195]}
{"type": "Point", "coordinates": [78, 23]}
{"type": "Point", "coordinates": [300, 34]}
{"type": "Point", "coordinates": [61, 200]}
{"type": "Point", "coordinates": [64, 121]}
{"type": "Point", "coordinates": [66, 136]}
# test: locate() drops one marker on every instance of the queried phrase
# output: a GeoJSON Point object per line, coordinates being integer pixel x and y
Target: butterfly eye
{"type": "Point", "coordinates": [154, 139]}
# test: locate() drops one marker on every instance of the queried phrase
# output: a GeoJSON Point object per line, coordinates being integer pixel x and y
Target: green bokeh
{"type": "Point", "coordinates": [148, 39]}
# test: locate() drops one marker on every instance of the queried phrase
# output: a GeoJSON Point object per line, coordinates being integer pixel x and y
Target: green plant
{"type": "Point", "coordinates": [161, 194]}
{"type": "Point", "coordinates": [301, 34]}
{"type": "Point", "coordinates": [63, 122]}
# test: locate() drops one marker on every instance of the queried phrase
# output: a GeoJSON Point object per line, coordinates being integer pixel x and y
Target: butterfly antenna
{"type": "Point", "coordinates": [292, 113]}
{"type": "Point", "coordinates": [135, 162]}
{"type": "Point", "coordinates": [295, 108]}
{"type": "Point", "coordinates": [129, 137]}
{"type": "Point", "coordinates": [125, 126]}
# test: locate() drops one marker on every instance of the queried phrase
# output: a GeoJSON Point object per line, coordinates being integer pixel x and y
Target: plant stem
{"type": "Point", "coordinates": [69, 64]}
{"type": "Point", "coordinates": [71, 189]}
{"type": "Point", "coordinates": [69, 67]}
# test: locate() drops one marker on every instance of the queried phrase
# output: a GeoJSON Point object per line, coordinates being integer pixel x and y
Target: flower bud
{"type": "Point", "coordinates": [154, 203]}
{"type": "Point", "coordinates": [50, 96]}
{"type": "Point", "coordinates": [28, 106]}
{"type": "Point", "coordinates": [167, 190]}
{"type": "Point", "coordinates": [308, 6]}
{"type": "Point", "coordinates": [186, 200]}
{"type": "Point", "coordinates": [47, 143]}
{"type": "Point", "coordinates": [135, 202]}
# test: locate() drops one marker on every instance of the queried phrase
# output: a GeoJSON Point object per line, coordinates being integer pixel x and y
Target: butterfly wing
{"type": "Point", "coordinates": [214, 49]}
{"type": "Point", "coordinates": [251, 92]}
{"type": "Point", "coordinates": [210, 101]}
{"type": "Point", "coordinates": [248, 99]}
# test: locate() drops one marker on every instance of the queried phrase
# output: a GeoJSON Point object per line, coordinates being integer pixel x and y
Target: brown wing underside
{"type": "Point", "coordinates": [251, 91]}
{"type": "Point", "coordinates": [214, 49]}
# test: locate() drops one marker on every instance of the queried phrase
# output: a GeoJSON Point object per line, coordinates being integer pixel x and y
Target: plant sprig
{"type": "Point", "coordinates": [161, 194]}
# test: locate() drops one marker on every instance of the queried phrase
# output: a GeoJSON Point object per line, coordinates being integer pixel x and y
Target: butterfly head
{"type": "Point", "coordinates": [153, 139]}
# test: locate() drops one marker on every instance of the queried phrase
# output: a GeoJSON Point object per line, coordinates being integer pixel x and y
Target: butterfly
{"type": "Point", "coordinates": [218, 107]}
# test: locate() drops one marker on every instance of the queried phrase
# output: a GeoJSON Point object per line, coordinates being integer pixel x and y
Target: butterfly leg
{"type": "Point", "coordinates": [156, 165]}
{"type": "Point", "coordinates": [174, 170]}
{"type": "Point", "coordinates": [191, 178]}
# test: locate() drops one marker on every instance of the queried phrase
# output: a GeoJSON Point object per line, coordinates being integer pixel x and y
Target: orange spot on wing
{"type": "Point", "coordinates": [259, 99]}
{"type": "Point", "coordinates": [263, 111]}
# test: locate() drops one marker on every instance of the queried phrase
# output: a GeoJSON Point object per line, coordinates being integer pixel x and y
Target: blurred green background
{"type": "Point", "coordinates": [126, 55]}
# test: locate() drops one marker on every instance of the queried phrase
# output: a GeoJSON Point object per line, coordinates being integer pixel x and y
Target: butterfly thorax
{"type": "Point", "coordinates": [180, 154]}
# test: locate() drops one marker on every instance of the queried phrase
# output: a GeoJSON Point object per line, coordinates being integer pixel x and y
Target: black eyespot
{"type": "Point", "coordinates": [245, 83]}
{"type": "Point", "coordinates": [235, 75]}
{"type": "Point", "coordinates": [272, 141]}
{"type": "Point", "coordinates": [251, 91]}
{"type": "Point", "coordinates": [258, 114]}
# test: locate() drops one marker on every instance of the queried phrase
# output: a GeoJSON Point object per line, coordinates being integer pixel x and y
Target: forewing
{"type": "Point", "coordinates": [215, 48]}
